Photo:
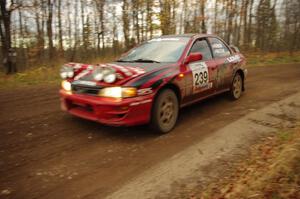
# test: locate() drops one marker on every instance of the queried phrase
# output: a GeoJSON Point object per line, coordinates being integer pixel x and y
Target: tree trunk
{"type": "Point", "coordinates": [149, 14]}
{"type": "Point", "coordinates": [82, 6]}
{"type": "Point", "coordinates": [245, 28]}
{"type": "Point", "coordinates": [101, 34]}
{"type": "Point", "coordinates": [60, 34]}
{"type": "Point", "coordinates": [165, 17]}
{"type": "Point", "coordinates": [49, 29]}
{"type": "Point", "coordinates": [126, 23]}
{"type": "Point", "coordinates": [69, 24]}
{"type": "Point", "coordinates": [202, 9]}
{"type": "Point", "coordinates": [230, 19]}
{"type": "Point", "coordinates": [215, 17]}
{"type": "Point", "coordinates": [76, 39]}
{"type": "Point", "coordinates": [249, 29]}
{"type": "Point", "coordinates": [102, 2]}
{"type": "Point", "coordinates": [5, 32]}
{"type": "Point", "coordinates": [135, 19]}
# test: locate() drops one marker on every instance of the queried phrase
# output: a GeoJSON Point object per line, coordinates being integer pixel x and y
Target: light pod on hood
{"type": "Point", "coordinates": [108, 75]}
{"type": "Point", "coordinates": [110, 78]}
{"type": "Point", "coordinates": [66, 72]}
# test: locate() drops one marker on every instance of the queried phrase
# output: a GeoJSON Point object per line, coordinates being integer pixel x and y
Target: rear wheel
{"type": "Point", "coordinates": [236, 87]}
{"type": "Point", "coordinates": [165, 111]}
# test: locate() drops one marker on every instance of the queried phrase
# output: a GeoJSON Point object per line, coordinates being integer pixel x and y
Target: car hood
{"type": "Point", "coordinates": [125, 71]}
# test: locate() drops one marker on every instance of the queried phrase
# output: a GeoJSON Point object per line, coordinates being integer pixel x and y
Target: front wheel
{"type": "Point", "coordinates": [236, 87]}
{"type": "Point", "coordinates": [165, 111]}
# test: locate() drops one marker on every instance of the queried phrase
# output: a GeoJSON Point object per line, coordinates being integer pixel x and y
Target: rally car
{"type": "Point", "coordinates": [153, 80]}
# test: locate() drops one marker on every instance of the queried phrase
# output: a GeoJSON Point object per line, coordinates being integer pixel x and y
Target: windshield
{"type": "Point", "coordinates": [157, 50]}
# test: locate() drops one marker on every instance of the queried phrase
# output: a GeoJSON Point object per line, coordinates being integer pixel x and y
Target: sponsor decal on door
{"type": "Point", "coordinates": [200, 76]}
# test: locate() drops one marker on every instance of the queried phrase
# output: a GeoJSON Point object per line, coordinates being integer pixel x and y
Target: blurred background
{"type": "Point", "coordinates": [42, 34]}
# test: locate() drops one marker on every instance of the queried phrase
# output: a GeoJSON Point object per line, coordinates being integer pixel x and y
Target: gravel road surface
{"type": "Point", "coordinates": [46, 153]}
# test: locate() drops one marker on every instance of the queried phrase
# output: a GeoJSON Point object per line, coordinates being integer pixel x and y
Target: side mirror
{"type": "Point", "coordinates": [193, 57]}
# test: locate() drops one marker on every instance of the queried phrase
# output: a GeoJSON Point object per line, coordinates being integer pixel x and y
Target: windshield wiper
{"type": "Point", "coordinates": [139, 60]}
{"type": "Point", "coordinates": [121, 60]}
{"type": "Point", "coordinates": [145, 60]}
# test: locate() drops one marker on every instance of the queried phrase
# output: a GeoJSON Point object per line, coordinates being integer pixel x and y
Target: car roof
{"type": "Point", "coordinates": [190, 35]}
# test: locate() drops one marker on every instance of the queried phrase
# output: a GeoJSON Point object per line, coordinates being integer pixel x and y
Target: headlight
{"type": "Point", "coordinates": [118, 92]}
{"type": "Point", "coordinates": [66, 85]}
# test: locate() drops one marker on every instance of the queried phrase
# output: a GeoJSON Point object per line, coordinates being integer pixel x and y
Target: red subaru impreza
{"type": "Point", "coordinates": [153, 80]}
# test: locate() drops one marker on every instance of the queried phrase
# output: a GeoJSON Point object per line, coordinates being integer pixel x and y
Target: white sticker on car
{"type": "Point", "coordinates": [144, 91]}
{"type": "Point", "coordinates": [200, 75]}
{"type": "Point", "coordinates": [235, 58]}
{"type": "Point", "coordinates": [81, 74]}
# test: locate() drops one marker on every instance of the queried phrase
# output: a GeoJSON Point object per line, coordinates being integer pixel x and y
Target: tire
{"type": "Point", "coordinates": [236, 87]}
{"type": "Point", "coordinates": [165, 111]}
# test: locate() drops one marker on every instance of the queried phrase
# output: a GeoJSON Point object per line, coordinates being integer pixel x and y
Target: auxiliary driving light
{"type": "Point", "coordinates": [110, 78]}
{"type": "Point", "coordinates": [66, 72]}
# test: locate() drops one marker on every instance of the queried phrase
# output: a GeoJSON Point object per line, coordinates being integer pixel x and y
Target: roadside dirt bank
{"type": "Point", "coordinates": [270, 170]}
{"type": "Point", "coordinates": [200, 162]}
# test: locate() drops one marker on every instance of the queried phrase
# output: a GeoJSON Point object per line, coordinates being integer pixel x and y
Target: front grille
{"type": "Point", "coordinates": [83, 107]}
{"type": "Point", "coordinates": [80, 89]}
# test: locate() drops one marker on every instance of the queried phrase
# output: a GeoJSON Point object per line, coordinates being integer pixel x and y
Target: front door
{"type": "Point", "coordinates": [201, 74]}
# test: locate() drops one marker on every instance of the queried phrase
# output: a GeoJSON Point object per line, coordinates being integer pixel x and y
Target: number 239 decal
{"type": "Point", "coordinates": [200, 75]}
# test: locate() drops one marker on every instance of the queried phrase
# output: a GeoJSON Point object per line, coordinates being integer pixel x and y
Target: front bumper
{"type": "Point", "coordinates": [115, 112]}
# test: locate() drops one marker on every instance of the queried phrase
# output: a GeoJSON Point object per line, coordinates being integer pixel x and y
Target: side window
{"type": "Point", "coordinates": [219, 48]}
{"type": "Point", "coordinates": [202, 47]}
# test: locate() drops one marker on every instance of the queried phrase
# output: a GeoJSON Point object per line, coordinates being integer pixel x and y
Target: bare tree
{"type": "Point", "coordinates": [203, 18]}
{"type": "Point", "coordinates": [49, 28]}
{"type": "Point", "coordinates": [5, 33]}
{"type": "Point", "coordinates": [167, 16]}
{"type": "Point", "coordinates": [60, 34]}
{"type": "Point", "coordinates": [126, 22]}
{"type": "Point", "coordinates": [100, 8]}
{"type": "Point", "coordinates": [149, 16]}
{"type": "Point", "coordinates": [292, 25]}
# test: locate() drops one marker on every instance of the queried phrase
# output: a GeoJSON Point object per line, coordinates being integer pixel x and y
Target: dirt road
{"type": "Point", "coordinates": [46, 153]}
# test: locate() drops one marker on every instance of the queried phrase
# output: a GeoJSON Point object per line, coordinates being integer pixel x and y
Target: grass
{"type": "Point", "coordinates": [263, 59]}
{"type": "Point", "coordinates": [271, 171]}
{"type": "Point", "coordinates": [42, 75]}
{"type": "Point", "coordinates": [47, 75]}
{"type": "Point", "coordinates": [284, 135]}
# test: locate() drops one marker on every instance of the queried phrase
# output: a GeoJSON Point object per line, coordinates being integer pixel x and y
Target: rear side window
{"type": "Point", "coordinates": [219, 48]}
{"type": "Point", "coordinates": [202, 47]}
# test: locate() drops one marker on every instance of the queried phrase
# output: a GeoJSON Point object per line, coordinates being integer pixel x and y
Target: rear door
{"type": "Point", "coordinates": [221, 54]}
{"type": "Point", "coordinates": [202, 74]}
